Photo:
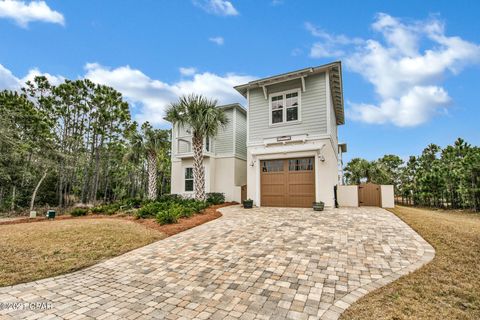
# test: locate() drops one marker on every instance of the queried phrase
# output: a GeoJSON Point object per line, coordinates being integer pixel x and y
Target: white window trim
{"type": "Point", "coordinates": [285, 122]}
{"type": "Point", "coordinates": [185, 179]}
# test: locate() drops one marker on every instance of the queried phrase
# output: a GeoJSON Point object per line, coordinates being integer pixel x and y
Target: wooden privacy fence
{"type": "Point", "coordinates": [243, 193]}
{"type": "Point", "coordinates": [369, 194]}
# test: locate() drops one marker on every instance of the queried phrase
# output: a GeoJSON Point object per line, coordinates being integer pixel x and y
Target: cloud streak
{"type": "Point", "coordinates": [217, 7]}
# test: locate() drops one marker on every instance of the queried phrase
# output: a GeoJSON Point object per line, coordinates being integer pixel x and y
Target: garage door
{"type": "Point", "coordinates": [287, 182]}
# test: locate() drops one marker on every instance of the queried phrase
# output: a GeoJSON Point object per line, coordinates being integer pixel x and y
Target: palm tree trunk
{"type": "Point", "coordinates": [152, 176]}
{"type": "Point", "coordinates": [198, 170]}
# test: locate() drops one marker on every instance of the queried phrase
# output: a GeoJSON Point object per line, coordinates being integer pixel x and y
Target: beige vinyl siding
{"type": "Point", "coordinates": [241, 134]}
{"type": "Point", "coordinates": [224, 139]}
{"type": "Point", "coordinates": [313, 110]}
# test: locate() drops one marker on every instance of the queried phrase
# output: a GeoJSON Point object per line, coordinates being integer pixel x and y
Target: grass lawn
{"type": "Point", "coordinates": [446, 288]}
{"type": "Point", "coordinates": [32, 251]}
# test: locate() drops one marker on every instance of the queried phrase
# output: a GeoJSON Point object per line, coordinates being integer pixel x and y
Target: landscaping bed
{"type": "Point", "coordinates": [446, 288]}
{"type": "Point", "coordinates": [32, 249]}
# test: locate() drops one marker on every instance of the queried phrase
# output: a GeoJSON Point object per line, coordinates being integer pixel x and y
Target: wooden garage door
{"type": "Point", "coordinates": [287, 182]}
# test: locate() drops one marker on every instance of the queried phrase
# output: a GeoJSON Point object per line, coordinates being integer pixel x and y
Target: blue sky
{"type": "Point", "coordinates": [411, 68]}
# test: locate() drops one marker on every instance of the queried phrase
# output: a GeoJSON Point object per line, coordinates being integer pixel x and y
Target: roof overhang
{"type": "Point", "coordinates": [336, 87]}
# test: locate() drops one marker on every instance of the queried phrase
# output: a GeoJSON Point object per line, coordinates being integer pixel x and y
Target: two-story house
{"type": "Point", "coordinates": [285, 148]}
{"type": "Point", "coordinates": [292, 143]}
{"type": "Point", "coordinates": [225, 157]}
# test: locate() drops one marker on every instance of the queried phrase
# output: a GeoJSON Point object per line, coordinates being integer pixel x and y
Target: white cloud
{"type": "Point", "coordinates": [151, 96]}
{"type": "Point", "coordinates": [35, 72]}
{"type": "Point", "coordinates": [8, 81]}
{"type": "Point", "coordinates": [187, 71]}
{"type": "Point", "coordinates": [217, 40]}
{"type": "Point", "coordinates": [148, 97]}
{"type": "Point", "coordinates": [23, 13]}
{"type": "Point", "coordinates": [329, 45]}
{"type": "Point", "coordinates": [217, 7]}
{"type": "Point", "coordinates": [406, 78]}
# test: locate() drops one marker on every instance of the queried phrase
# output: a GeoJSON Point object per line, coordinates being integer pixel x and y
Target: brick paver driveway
{"type": "Point", "coordinates": [263, 263]}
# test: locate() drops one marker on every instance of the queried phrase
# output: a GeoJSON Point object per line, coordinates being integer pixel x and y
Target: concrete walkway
{"type": "Point", "coordinates": [267, 263]}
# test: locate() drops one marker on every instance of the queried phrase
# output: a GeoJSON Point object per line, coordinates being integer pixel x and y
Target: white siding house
{"type": "Point", "coordinates": [225, 157]}
{"type": "Point", "coordinates": [284, 149]}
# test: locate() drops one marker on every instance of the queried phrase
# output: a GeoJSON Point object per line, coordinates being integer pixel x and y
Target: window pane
{"type": "Point", "coordinates": [277, 116]}
{"type": "Point", "coordinates": [188, 173]}
{"type": "Point", "coordinates": [189, 185]}
{"type": "Point", "coordinates": [292, 100]}
{"type": "Point", "coordinates": [300, 164]}
{"type": "Point", "coordinates": [272, 166]}
{"type": "Point", "coordinates": [292, 114]}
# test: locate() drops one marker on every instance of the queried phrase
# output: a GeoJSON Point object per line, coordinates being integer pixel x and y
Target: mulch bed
{"type": "Point", "coordinates": [209, 214]}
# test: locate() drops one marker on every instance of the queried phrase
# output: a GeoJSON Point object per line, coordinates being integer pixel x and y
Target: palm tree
{"type": "Point", "coordinates": [149, 143]}
{"type": "Point", "coordinates": [204, 119]}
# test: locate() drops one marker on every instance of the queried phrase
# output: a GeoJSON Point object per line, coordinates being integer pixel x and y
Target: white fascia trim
{"type": "Point", "coordinates": [278, 151]}
{"type": "Point", "coordinates": [328, 98]}
{"type": "Point", "coordinates": [308, 138]}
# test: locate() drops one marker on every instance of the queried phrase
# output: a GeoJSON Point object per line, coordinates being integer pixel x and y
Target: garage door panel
{"type": "Point", "coordinates": [273, 201]}
{"type": "Point", "coordinates": [273, 189]}
{"type": "Point", "coordinates": [288, 182]}
{"type": "Point", "coordinates": [300, 201]}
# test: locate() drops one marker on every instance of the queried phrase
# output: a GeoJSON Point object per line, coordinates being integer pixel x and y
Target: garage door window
{"type": "Point", "coordinates": [300, 164]}
{"type": "Point", "coordinates": [272, 166]}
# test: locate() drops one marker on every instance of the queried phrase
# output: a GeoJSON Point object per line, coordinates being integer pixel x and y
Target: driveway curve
{"type": "Point", "coordinates": [263, 263]}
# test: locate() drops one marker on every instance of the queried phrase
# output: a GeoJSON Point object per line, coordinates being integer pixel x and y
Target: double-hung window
{"type": "Point", "coordinates": [188, 179]}
{"type": "Point", "coordinates": [284, 107]}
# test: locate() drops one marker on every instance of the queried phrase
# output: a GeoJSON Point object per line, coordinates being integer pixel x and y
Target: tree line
{"type": "Point", "coordinates": [76, 142]}
{"type": "Point", "coordinates": [442, 178]}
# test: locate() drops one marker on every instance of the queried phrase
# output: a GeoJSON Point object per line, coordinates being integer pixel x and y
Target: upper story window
{"type": "Point", "coordinates": [284, 107]}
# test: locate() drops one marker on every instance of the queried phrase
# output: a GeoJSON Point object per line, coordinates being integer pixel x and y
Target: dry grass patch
{"type": "Point", "coordinates": [446, 288]}
{"type": "Point", "coordinates": [32, 251]}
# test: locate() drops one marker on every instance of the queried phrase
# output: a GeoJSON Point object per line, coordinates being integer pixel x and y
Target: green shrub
{"type": "Point", "coordinates": [132, 203]}
{"type": "Point", "coordinates": [108, 209]}
{"type": "Point", "coordinates": [170, 197]}
{"type": "Point", "coordinates": [77, 212]}
{"type": "Point", "coordinates": [215, 198]}
{"type": "Point", "coordinates": [170, 215]}
{"type": "Point", "coordinates": [187, 211]}
{"type": "Point", "coordinates": [150, 210]}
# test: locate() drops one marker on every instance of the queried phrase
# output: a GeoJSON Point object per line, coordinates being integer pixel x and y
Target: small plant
{"type": "Point", "coordinates": [215, 198]}
{"type": "Point", "coordinates": [78, 212]}
{"type": "Point", "coordinates": [318, 206]}
{"type": "Point", "coordinates": [169, 215]}
{"type": "Point", "coordinates": [248, 204]}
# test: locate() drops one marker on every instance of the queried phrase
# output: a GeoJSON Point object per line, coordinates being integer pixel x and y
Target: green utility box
{"type": "Point", "coordinates": [51, 214]}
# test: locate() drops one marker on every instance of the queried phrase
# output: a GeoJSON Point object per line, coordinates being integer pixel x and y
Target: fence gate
{"type": "Point", "coordinates": [369, 195]}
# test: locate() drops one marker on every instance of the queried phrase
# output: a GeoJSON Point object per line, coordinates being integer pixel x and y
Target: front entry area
{"type": "Point", "coordinates": [287, 182]}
